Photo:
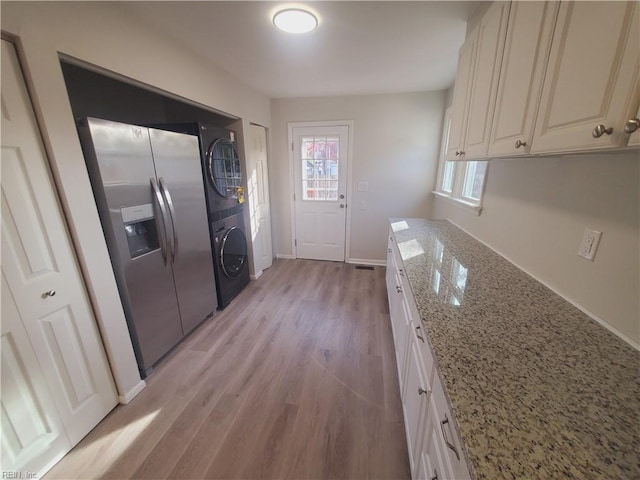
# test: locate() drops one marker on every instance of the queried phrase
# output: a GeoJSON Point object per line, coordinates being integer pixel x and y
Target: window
{"type": "Point", "coordinates": [461, 182]}
{"type": "Point", "coordinates": [320, 156]}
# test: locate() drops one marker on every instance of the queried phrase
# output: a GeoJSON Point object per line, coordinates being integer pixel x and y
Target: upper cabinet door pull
{"type": "Point", "coordinates": [601, 130]}
{"type": "Point", "coordinates": [632, 125]}
{"type": "Point", "coordinates": [520, 143]}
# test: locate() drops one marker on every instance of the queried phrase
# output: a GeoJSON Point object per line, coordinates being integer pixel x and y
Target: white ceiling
{"type": "Point", "coordinates": [360, 47]}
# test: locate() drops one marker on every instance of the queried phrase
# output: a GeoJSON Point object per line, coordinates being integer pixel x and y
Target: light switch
{"type": "Point", "coordinates": [363, 186]}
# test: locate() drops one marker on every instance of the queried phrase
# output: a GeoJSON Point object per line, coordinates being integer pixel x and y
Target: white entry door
{"type": "Point", "coordinates": [260, 213]}
{"type": "Point", "coordinates": [320, 156]}
{"type": "Point", "coordinates": [56, 382]}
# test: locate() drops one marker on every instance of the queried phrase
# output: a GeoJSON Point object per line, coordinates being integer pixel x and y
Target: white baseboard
{"type": "Point", "coordinates": [590, 314]}
{"type": "Point", "coordinates": [366, 261]}
{"type": "Point", "coordinates": [256, 276]}
{"type": "Point", "coordinates": [131, 394]}
{"type": "Point", "coordinates": [286, 257]}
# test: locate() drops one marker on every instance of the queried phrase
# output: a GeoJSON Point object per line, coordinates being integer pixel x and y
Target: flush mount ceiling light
{"type": "Point", "coordinates": [295, 20]}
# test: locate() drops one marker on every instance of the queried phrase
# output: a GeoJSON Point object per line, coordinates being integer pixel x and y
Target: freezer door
{"type": "Point", "coordinates": [121, 168]}
{"type": "Point", "coordinates": [177, 159]}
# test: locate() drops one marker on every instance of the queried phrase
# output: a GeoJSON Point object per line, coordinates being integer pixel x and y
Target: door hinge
{"type": "Point", "coordinates": [294, 197]}
{"type": "Point", "coordinates": [292, 146]}
{"type": "Point", "coordinates": [295, 242]}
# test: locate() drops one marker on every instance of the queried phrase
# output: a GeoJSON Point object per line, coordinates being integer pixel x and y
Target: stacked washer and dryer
{"type": "Point", "coordinates": [222, 172]}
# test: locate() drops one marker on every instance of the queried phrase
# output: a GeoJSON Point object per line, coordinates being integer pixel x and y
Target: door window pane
{"type": "Point", "coordinates": [320, 157]}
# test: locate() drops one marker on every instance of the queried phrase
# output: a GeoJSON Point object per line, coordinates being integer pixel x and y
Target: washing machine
{"type": "Point", "coordinates": [229, 246]}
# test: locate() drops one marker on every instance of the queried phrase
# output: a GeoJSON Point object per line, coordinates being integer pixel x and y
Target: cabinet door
{"type": "Point", "coordinates": [415, 403]}
{"type": "Point", "coordinates": [491, 36]}
{"type": "Point", "coordinates": [591, 78]}
{"type": "Point", "coordinates": [461, 97]}
{"type": "Point", "coordinates": [524, 61]}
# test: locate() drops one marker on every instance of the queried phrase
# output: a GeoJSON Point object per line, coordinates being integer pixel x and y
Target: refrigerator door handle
{"type": "Point", "coordinates": [172, 214]}
{"type": "Point", "coordinates": [162, 231]}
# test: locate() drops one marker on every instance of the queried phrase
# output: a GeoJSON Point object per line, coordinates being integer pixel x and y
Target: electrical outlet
{"type": "Point", "coordinates": [589, 244]}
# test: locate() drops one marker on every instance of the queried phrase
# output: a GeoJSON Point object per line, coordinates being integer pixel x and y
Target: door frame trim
{"type": "Point", "coordinates": [292, 207]}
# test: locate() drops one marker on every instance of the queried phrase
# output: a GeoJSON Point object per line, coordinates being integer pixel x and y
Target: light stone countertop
{"type": "Point", "coordinates": [538, 389]}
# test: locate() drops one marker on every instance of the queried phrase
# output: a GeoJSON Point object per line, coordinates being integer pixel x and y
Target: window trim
{"type": "Point", "coordinates": [455, 196]}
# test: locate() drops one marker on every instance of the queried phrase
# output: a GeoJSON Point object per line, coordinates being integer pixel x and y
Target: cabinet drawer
{"type": "Point", "coordinates": [454, 464]}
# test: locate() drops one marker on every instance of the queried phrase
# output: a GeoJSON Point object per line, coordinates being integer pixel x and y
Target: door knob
{"type": "Point", "coordinates": [520, 143]}
{"type": "Point", "coordinates": [601, 130]}
{"type": "Point", "coordinates": [342, 205]}
{"type": "Point", "coordinates": [632, 125]}
{"type": "Point", "coordinates": [341, 196]}
{"type": "Point", "coordinates": [50, 293]}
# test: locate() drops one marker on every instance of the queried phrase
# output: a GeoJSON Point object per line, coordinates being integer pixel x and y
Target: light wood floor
{"type": "Point", "coordinates": [295, 379]}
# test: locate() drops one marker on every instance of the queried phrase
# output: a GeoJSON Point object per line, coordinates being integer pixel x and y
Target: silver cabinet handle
{"type": "Point", "coordinates": [163, 214]}
{"type": "Point", "coordinates": [421, 391]}
{"type": "Point", "coordinates": [172, 214]}
{"type": "Point", "coordinates": [446, 440]}
{"type": "Point", "coordinates": [418, 335]}
{"type": "Point", "coordinates": [401, 272]}
{"type": "Point", "coordinates": [632, 125]}
{"type": "Point", "coordinates": [520, 143]}
{"type": "Point", "coordinates": [435, 475]}
{"type": "Point", "coordinates": [601, 130]}
{"type": "Point", "coordinates": [50, 293]}
{"type": "Point", "coordinates": [398, 289]}
{"type": "Point", "coordinates": [459, 153]}
{"type": "Point", "coordinates": [389, 250]}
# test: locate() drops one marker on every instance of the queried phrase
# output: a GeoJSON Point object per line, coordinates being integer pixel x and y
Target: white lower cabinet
{"type": "Point", "coordinates": [398, 307]}
{"type": "Point", "coordinates": [415, 402]}
{"type": "Point", "coordinates": [435, 450]}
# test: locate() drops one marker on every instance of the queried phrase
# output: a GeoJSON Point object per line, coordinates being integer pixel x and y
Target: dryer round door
{"type": "Point", "coordinates": [233, 252]}
{"type": "Point", "coordinates": [223, 168]}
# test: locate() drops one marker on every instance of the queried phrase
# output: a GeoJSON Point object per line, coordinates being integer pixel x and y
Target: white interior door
{"type": "Point", "coordinates": [260, 212]}
{"type": "Point", "coordinates": [320, 158]}
{"type": "Point", "coordinates": [54, 372]}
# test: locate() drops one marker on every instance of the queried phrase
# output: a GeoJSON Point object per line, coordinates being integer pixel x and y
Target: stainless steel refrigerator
{"type": "Point", "coordinates": [149, 191]}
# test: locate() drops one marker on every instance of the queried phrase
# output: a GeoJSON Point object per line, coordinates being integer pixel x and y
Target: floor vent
{"type": "Point", "coordinates": [364, 267]}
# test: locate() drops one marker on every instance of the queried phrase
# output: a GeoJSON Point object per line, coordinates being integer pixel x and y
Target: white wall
{"type": "Point", "coordinates": [98, 33]}
{"type": "Point", "coordinates": [395, 149]}
{"type": "Point", "coordinates": [535, 212]}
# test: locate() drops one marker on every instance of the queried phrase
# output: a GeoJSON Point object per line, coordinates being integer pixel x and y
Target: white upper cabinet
{"type": "Point", "coordinates": [461, 96]}
{"type": "Point", "coordinates": [524, 62]}
{"type": "Point", "coordinates": [591, 84]}
{"type": "Point", "coordinates": [476, 86]}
